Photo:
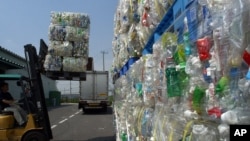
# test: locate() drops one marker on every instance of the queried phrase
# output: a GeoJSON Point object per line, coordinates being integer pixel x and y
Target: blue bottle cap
{"type": "Point", "coordinates": [248, 75]}
{"type": "Point", "coordinates": [234, 72]}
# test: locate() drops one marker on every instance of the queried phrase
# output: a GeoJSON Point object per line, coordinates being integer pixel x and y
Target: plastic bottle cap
{"type": "Point", "coordinates": [188, 114]}
{"type": "Point", "coordinates": [209, 71]}
{"type": "Point", "coordinates": [185, 20]}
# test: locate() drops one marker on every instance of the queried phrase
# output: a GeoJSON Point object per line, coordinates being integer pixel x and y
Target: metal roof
{"type": "Point", "coordinates": [11, 62]}
{"type": "Point", "coordinates": [12, 53]}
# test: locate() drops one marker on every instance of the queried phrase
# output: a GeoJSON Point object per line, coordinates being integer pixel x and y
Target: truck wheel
{"type": "Point", "coordinates": [83, 110]}
{"type": "Point", "coordinates": [105, 108]}
{"type": "Point", "coordinates": [35, 136]}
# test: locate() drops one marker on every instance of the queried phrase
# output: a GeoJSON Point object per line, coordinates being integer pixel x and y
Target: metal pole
{"type": "Point", "coordinates": [103, 62]}
{"type": "Point", "coordinates": [70, 89]}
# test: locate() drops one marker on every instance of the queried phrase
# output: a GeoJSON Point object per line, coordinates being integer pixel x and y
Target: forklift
{"type": "Point", "coordinates": [37, 127]}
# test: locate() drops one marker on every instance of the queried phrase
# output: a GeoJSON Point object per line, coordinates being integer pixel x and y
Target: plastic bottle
{"type": "Point", "coordinates": [173, 86]}
{"type": "Point", "coordinates": [224, 132]}
{"type": "Point", "coordinates": [244, 87]}
{"type": "Point", "coordinates": [124, 136]}
{"type": "Point", "coordinates": [202, 132]}
{"type": "Point", "coordinates": [236, 116]}
{"type": "Point", "coordinates": [246, 55]}
{"type": "Point", "coordinates": [179, 55]}
{"type": "Point", "coordinates": [138, 87]}
{"type": "Point", "coordinates": [222, 84]}
{"type": "Point", "coordinates": [193, 65]}
{"type": "Point", "coordinates": [213, 108]}
{"type": "Point", "coordinates": [145, 17]}
{"type": "Point", "coordinates": [203, 47]}
{"type": "Point", "coordinates": [198, 99]}
{"type": "Point", "coordinates": [207, 72]}
{"type": "Point", "coordinates": [199, 132]}
{"type": "Point", "coordinates": [234, 79]}
{"type": "Point", "coordinates": [187, 45]}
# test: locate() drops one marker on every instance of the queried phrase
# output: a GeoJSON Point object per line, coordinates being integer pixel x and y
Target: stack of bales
{"type": "Point", "coordinates": [68, 42]}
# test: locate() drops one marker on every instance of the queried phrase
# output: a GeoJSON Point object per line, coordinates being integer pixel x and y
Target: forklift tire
{"type": "Point", "coordinates": [35, 136]}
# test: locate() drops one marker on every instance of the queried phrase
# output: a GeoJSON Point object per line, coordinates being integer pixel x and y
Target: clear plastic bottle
{"type": "Point", "coordinates": [224, 132]}
{"type": "Point", "coordinates": [193, 65]}
{"type": "Point", "coordinates": [244, 87]}
{"type": "Point", "coordinates": [202, 132]}
{"type": "Point", "coordinates": [199, 132]}
{"type": "Point", "coordinates": [187, 44]}
{"type": "Point", "coordinates": [237, 116]}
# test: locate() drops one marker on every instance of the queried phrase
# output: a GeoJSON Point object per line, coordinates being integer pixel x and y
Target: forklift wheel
{"type": "Point", "coordinates": [35, 136]}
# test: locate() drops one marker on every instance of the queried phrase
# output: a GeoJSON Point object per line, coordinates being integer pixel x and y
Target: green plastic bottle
{"type": "Point", "coordinates": [198, 97]}
{"type": "Point", "coordinates": [173, 84]}
{"type": "Point", "coordinates": [222, 85]}
{"type": "Point", "coordinates": [124, 137]}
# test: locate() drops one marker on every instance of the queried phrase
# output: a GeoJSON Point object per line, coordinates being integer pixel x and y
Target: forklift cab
{"type": "Point", "coordinates": [37, 127]}
{"type": "Point", "coordinates": [32, 129]}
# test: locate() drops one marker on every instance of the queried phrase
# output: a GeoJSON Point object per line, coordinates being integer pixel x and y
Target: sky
{"type": "Point", "coordinates": [27, 21]}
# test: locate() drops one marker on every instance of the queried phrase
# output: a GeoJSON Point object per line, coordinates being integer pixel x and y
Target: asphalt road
{"type": "Point", "coordinates": [68, 123]}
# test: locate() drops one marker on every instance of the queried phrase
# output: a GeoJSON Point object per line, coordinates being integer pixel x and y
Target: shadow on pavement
{"type": "Point", "coordinates": [98, 111]}
{"type": "Point", "coordinates": [110, 138]}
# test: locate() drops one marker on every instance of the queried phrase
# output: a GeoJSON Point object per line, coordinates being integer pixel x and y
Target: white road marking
{"type": "Point", "coordinates": [63, 120]}
{"type": "Point", "coordinates": [53, 126]}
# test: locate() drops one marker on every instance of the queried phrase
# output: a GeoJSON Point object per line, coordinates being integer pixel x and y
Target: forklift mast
{"type": "Point", "coordinates": [38, 96]}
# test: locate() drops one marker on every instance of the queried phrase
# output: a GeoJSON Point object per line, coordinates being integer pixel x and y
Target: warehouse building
{"type": "Point", "coordinates": [13, 63]}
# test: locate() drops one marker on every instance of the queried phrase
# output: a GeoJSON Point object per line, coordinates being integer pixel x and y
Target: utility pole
{"type": "Point", "coordinates": [103, 53]}
{"type": "Point", "coordinates": [70, 89]}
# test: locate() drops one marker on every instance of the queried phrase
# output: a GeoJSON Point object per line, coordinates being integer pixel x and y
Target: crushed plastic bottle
{"type": "Point", "coordinates": [198, 99]}
{"type": "Point", "coordinates": [246, 55]}
{"type": "Point", "coordinates": [236, 116]}
{"type": "Point", "coordinates": [203, 47]}
{"type": "Point", "coordinates": [244, 87]}
{"type": "Point", "coordinates": [201, 133]}
{"type": "Point", "coordinates": [222, 84]}
{"type": "Point", "coordinates": [187, 44]}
